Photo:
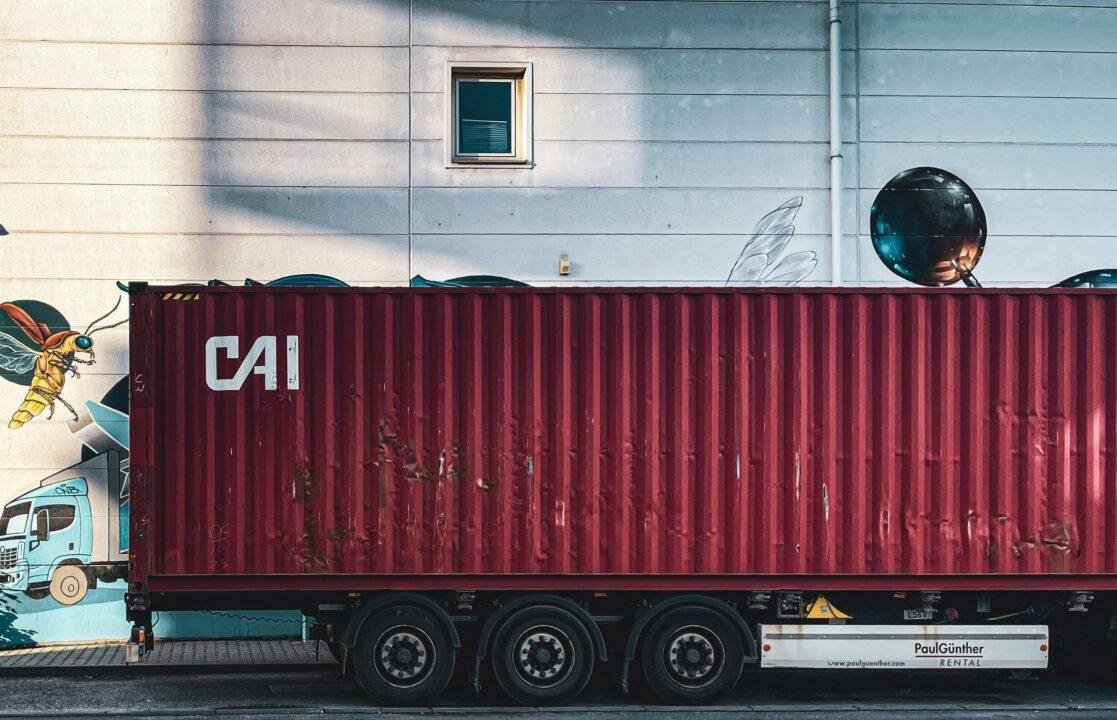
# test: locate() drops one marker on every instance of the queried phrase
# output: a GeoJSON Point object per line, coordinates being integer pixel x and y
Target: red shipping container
{"type": "Point", "coordinates": [623, 438]}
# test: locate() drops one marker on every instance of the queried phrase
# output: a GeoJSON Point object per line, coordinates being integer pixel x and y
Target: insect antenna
{"type": "Point", "coordinates": [105, 327]}
{"type": "Point", "coordinates": [110, 312]}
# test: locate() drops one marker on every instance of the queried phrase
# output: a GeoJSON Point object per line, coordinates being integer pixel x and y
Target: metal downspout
{"type": "Point", "coordinates": [835, 103]}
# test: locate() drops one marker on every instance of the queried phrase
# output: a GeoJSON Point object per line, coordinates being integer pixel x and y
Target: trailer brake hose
{"type": "Point", "coordinates": [252, 618]}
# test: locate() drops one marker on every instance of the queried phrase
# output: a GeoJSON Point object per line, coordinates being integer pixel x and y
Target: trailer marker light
{"type": "Point", "coordinates": [1043, 647]}
{"type": "Point", "coordinates": [767, 647]}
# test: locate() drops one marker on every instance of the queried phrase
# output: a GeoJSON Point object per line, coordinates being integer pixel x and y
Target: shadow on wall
{"type": "Point", "coordinates": [373, 213]}
{"type": "Point", "coordinates": [10, 635]}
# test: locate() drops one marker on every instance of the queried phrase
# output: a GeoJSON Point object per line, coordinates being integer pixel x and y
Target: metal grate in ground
{"type": "Point", "coordinates": [180, 653]}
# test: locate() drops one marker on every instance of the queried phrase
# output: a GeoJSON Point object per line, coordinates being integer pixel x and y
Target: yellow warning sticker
{"type": "Point", "coordinates": [822, 609]}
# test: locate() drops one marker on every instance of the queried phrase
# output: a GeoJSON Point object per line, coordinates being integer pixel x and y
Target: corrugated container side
{"type": "Point", "coordinates": [644, 435]}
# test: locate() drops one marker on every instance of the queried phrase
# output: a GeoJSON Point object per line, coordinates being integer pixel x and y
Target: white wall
{"type": "Point", "coordinates": [1017, 98]}
{"type": "Point", "coordinates": [173, 141]}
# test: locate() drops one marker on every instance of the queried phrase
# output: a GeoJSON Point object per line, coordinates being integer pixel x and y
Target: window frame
{"type": "Point", "coordinates": [521, 132]}
{"type": "Point", "coordinates": [52, 508]}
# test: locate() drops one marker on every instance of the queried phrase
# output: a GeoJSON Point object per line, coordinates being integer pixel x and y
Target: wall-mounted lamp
{"type": "Point", "coordinates": [564, 264]}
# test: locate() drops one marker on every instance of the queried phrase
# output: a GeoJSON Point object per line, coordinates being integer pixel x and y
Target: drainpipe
{"type": "Point", "coordinates": [835, 102]}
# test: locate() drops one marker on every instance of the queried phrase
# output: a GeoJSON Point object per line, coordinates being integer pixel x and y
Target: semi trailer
{"type": "Point", "coordinates": [520, 487]}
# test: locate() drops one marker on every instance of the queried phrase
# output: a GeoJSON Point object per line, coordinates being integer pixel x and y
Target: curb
{"type": "Point", "coordinates": [141, 669]}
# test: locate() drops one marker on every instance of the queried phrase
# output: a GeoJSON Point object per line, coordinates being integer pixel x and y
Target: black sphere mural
{"type": "Point", "coordinates": [928, 227]}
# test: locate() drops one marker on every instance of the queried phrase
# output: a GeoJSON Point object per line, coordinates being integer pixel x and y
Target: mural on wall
{"type": "Point", "coordinates": [928, 227]}
{"type": "Point", "coordinates": [44, 357]}
{"type": "Point", "coordinates": [64, 536]}
{"type": "Point", "coordinates": [65, 540]}
{"type": "Point", "coordinates": [760, 259]}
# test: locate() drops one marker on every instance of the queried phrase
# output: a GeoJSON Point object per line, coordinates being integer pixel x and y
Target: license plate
{"type": "Point", "coordinates": [919, 614]}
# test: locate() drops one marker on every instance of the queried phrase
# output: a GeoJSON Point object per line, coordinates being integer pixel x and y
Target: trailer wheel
{"type": "Point", "coordinates": [403, 656]}
{"type": "Point", "coordinates": [691, 655]}
{"type": "Point", "coordinates": [69, 584]}
{"type": "Point", "coordinates": [542, 655]}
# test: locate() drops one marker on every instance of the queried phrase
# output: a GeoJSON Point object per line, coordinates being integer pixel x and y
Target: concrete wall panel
{"type": "Point", "coordinates": [988, 120]}
{"type": "Point", "coordinates": [601, 163]}
{"type": "Point", "coordinates": [218, 209]}
{"type": "Point", "coordinates": [634, 71]}
{"type": "Point", "coordinates": [997, 165]}
{"type": "Point", "coordinates": [624, 118]}
{"type": "Point", "coordinates": [293, 22]}
{"type": "Point", "coordinates": [133, 161]}
{"type": "Point", "coordinates": [160, 113]}
{"type": "Point", "coordinates": [61, 257]}
{"type": "Point", "coordinates": [610, 210]}
{"type": "Point", "coordinates": [971, 26]}
{"type": "Point", "coordinates": [203, 67]}
{"type": "Point", "coordinates": [988, 74]}
{"type": "Point", "coordinates": [547, 23]}
{"type": "Point", "coordinates": [601, 259]}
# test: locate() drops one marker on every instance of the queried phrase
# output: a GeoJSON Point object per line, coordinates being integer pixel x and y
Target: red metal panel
{"type": "Point", "coordinates": [628, 437]}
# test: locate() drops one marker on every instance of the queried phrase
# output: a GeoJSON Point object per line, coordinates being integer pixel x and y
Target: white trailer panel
{"type": "Point", "coordinates": [928, 647]}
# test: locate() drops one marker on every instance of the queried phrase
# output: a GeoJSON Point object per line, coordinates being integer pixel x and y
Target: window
{"type": "Point", "coordinates": [14, 519]}
{"type": "Point", "coordinates": [488, 118]}
{"type": "Point", "coordinates": [60, 516]}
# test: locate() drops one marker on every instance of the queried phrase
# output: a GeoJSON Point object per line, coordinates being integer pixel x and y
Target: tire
{"type": "Point", "coordinates": [69, 584]}
{"type": "Point", "coordinates": [542, 656]}
{"type": "Point", "coordinates": [403, 656]}
{"type": "Point", "coordinates": [38, 593]}
{"type": "Point", "coordinates": [691, 655]}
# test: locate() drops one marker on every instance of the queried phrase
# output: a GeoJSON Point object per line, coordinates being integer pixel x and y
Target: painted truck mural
{"type": "Point", "coordinates": [68, 534]}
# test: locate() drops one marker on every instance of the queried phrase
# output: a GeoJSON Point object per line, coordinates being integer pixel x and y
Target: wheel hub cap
{"type": "Point", "coordinates": [694, 656]}
{"type": "Point", "coordinates": [543, 656]}
{"type": "Point", "coordinates": [404, 656]}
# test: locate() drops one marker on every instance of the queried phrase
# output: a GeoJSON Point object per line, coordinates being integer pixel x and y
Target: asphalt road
{"type": "Point", "coordinates": [321, 693]}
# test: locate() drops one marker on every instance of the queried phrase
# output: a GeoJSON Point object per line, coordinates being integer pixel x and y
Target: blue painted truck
{"type": "Point", "coordinates": [70, 533]}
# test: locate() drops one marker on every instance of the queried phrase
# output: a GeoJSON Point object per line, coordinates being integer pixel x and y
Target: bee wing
{"type": "Point", "coordinates": [775, 222]}
{"type": "Point", "coordinates": [748, 269]}
{"type": "Point", "coordinates": [15, 356]}
{"type": "Point", "coordinates": [769, 238]}
{"type": "Point", "coordinates": [35, 330]}
{"type": "Point", "coordinates": [793, 269]}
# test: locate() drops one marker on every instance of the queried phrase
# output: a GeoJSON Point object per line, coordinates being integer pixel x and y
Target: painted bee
{"type": "Point", "coordinates": [57, 354]}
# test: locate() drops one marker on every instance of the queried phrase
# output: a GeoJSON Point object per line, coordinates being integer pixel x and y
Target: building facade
{"type": "Point", "coordinates": [549, 142]}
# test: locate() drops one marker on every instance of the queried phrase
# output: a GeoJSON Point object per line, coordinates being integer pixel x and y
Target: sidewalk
{"type": "Point", "coordinates": [169, 653]}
